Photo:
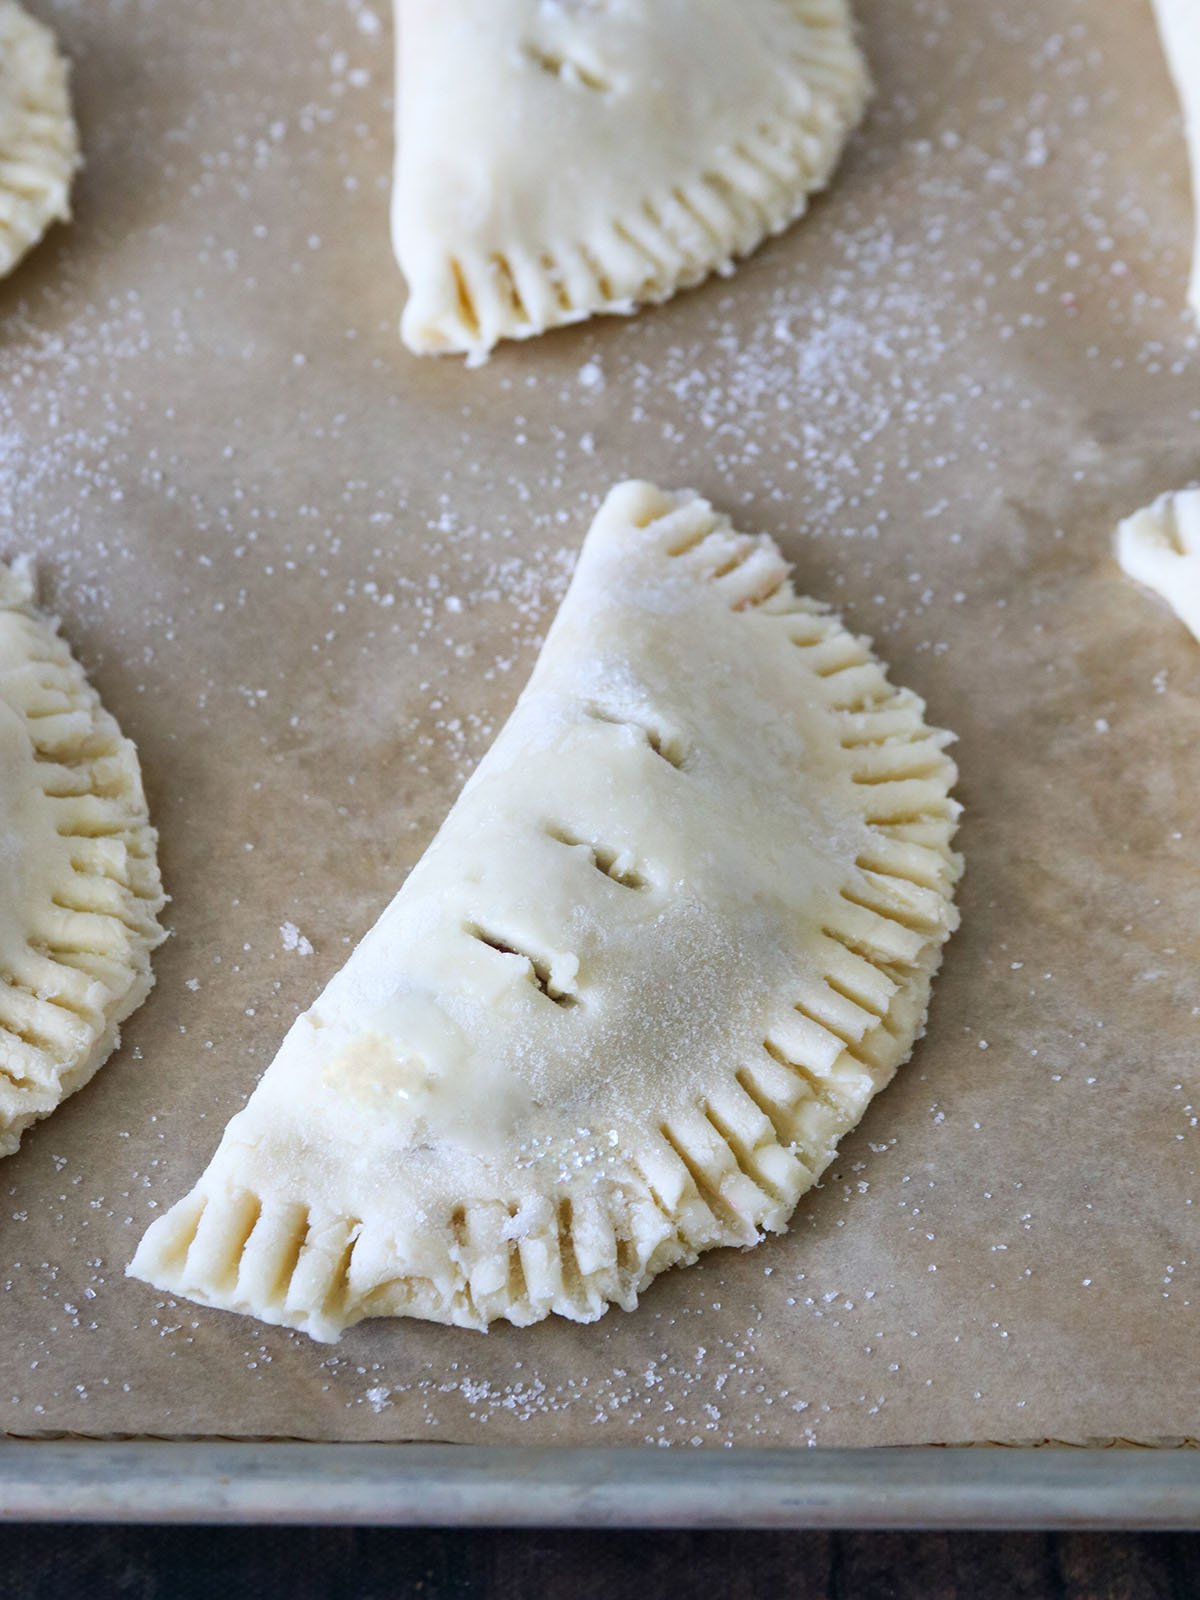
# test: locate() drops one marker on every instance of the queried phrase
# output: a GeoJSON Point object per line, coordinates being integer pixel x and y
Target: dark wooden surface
{"type": "Point", "coordinates": [386, 1564]}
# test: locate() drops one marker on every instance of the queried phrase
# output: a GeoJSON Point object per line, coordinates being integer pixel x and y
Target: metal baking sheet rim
{"type": "Point", "coordinates": [1051, 1485]}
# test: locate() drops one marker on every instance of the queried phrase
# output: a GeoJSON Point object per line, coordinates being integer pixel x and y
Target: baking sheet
{"type": "Point", "coordinates": [423, 1485]}
{"type": "Point", "coordinates": [309, 574]}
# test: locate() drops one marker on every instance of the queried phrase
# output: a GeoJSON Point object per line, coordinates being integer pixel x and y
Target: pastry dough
{"type": "Point", "coordinates": [1179, 24]}
{"type": "Point", "coordinates": [39, 146]}
{"type": "Point", "coordinates": [676, 931]}
{"type": "Point", "coordinates": [79, 884]}
{"type": "Point", "coordinates": [558, 158]}
{"type": "Point", "coordinates": [1160, 547]}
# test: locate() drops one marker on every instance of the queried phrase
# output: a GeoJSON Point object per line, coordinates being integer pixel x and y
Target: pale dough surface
{"type": "Point", "coordinates": [39, 145]}
{"type": "Point", "coordinates": [79, 885]}
{"type": "Point", "coordinates": [676, 931]}
{"type": "Point", "coordinates": [558, 158]}
{"type": "Point", "coordinates": [1179, 24]}
{"type": "Point", "coordinates": [1160, 547]}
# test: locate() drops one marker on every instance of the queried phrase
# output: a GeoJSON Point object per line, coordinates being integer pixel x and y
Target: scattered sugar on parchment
{"type": "Point", "coordinates": [803, 418]}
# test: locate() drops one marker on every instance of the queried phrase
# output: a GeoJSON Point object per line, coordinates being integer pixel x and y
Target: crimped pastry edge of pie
{"type": "Point", "coordinates": [656, 193]}
{"type": "Point", "coordinates": [81, 887]}
{"type": "Point", "coordinates": [807, 960]}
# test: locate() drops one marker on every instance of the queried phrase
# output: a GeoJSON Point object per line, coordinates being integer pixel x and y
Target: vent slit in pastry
{"type": "Point", "coordinates": [615, 864]}
{"type": "Point", "coordinates": [536, 969]}
{"type": "Point", "coordinates": [571, 70]}
{"type": "Point", "coordinates": [464, 1155]}
{"type": "Point", "coordinates": [670, 746]}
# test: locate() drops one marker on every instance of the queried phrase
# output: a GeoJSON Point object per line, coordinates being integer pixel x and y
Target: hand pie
{"type": "Point", "coordinates": [79, 884]}
{"type": "Point", "coordinates": [676, 931]}
{"type": "Point", "coordinates": [1179, 24]}
{"type": "Point", "coordinates": [1160, 547]}
{"type": "Point", "coordinates": [558, 158]}
{"type": "Point", "coordinates": [39, 146]}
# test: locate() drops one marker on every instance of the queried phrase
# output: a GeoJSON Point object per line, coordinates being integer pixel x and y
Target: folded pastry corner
{"type": "Point", "coordinates": [555, 160]}
{"type": "Point", "coordinates": [678, 928]}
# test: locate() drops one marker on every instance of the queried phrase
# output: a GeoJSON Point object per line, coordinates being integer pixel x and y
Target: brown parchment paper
{"type": "Point", "coordinates": [309, 573]}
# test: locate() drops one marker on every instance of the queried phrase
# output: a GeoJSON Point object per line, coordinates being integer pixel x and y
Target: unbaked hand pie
{"type": "Point", "coordinates": [558, 158]}
{"type": "Point", "coordinates": [39, 146]}
{"type": "Point", "coordinates": [676, 931]}
{"type": "Point", "coordinates": [1159, 546]}
{"type": "Point", "coordinates": [1179, 24]}
{"type": "Point", "coordinates": [79, 885]}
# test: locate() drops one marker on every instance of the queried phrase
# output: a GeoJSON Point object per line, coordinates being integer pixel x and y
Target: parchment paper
{"type": "Point", "coordinates": [309, 573]}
